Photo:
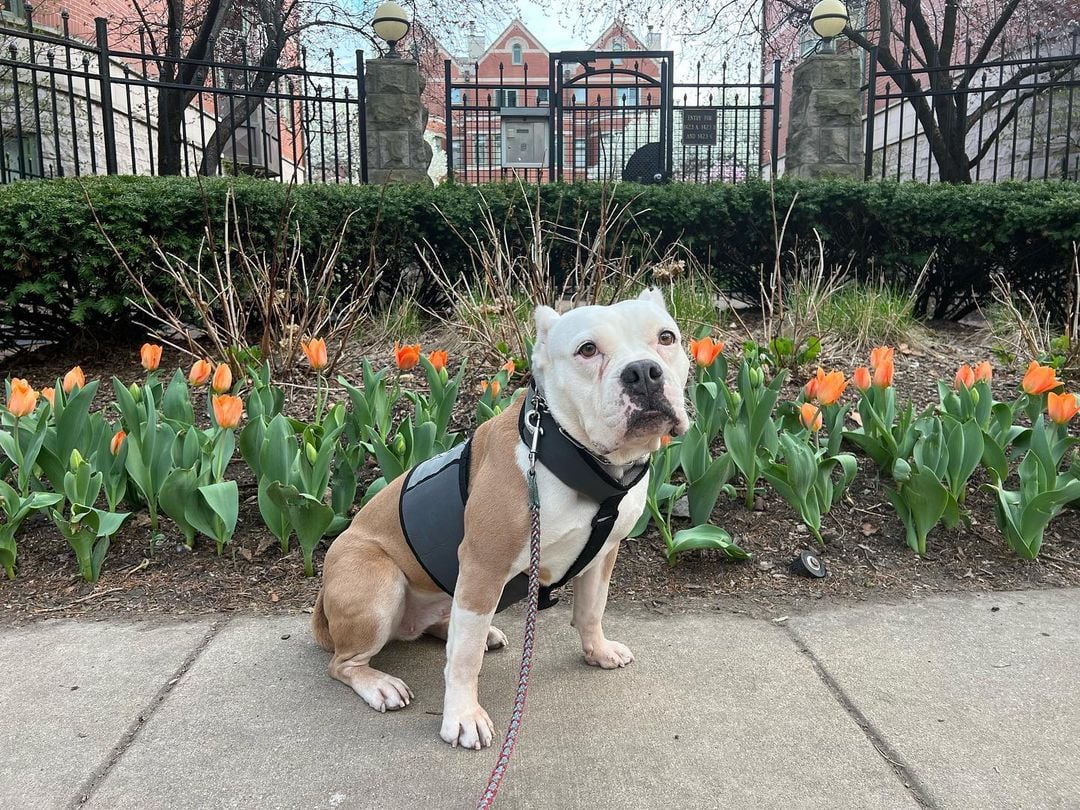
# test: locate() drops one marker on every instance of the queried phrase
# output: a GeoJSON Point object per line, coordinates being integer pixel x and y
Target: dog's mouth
{"type": "Point", "coordinates": [657, 419]}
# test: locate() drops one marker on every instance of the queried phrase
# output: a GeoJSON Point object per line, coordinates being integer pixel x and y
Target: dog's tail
{"type": "Point", "coordinates": [321, 627]}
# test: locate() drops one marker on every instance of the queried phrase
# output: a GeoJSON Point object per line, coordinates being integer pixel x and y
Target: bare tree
{"type": "Point", "coordinates": [924, 34]}
{"type": "Point", "coordinates": [191, 34]}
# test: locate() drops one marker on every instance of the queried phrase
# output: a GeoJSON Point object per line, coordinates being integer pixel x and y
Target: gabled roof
{"type": "Point", "coordinates": [516, 23]}
{"type": "Point", "coordinates": [620, 28]}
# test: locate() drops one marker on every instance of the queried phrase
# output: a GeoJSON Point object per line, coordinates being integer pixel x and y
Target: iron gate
{"type": "Point", "coordinates": [610, 115]}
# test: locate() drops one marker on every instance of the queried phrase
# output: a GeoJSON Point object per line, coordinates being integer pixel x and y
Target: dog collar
{"type": "Point", "coordinates": [569, 460]}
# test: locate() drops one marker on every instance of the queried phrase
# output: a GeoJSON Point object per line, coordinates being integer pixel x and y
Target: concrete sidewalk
{"type": "Point", "coordinates": [969, 701]}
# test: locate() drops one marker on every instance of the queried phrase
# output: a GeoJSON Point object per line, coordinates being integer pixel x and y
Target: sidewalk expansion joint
{"type": "Point", "coordinates": [86, 790]}
{"type": "Point", "coordinates": [904, 772]}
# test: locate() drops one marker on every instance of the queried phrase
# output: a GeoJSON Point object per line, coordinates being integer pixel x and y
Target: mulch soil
{"type": "Point", "coordinates": [866, 556]}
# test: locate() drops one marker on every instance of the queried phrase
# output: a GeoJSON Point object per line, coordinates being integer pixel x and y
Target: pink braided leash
{"type": "Point", "coordinates": [487, 799]}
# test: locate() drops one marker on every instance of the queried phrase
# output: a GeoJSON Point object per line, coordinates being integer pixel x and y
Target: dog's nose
{"type": "Point", "coordinates": [643, 377]}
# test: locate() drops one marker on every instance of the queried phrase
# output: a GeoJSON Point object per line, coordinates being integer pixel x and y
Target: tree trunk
{"type": "Point", "coordinates": [169, 135]}
{"type": "Point", "coordinates": [240, 111]}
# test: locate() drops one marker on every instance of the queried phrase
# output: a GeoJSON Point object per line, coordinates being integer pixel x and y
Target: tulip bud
{"type": "Point", "coordinates": [901, 471]}
{"type": "Point", "coordinates": [399, 445]}
{"type": "Point", "coordinates": [498, 409]}
{"type": "Point", "coordinates": [136, 393]}
{"type": "Point", "coordinates": [736, 400]}
{"type": "Point", "coordinates": [312, 453]}
{"type": "Point", "coordinates": [974, 395]}
{"type": "Point", "coordinates": [76, 459]}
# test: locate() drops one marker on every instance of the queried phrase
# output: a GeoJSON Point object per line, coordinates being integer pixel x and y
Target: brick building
{"type": "Point", "coordinates": [513, 71]}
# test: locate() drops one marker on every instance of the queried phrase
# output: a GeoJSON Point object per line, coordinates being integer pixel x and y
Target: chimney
{"type": "Point", "coordinates": [476, 42]}
{"type": "Point", "coordinates": [652, 40]}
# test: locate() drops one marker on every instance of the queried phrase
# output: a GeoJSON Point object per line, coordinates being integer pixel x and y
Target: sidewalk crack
{"type": "Point", "coordinates": [904, 772]}
{"type": "Point", "coordinates": [91, 784]}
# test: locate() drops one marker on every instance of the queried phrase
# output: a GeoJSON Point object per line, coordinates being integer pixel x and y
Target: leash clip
{"type": "Point", "coordinates": [532, 421]}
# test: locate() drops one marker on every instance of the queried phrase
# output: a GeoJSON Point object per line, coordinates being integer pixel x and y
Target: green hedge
{"type": "Point", "coordinates": [54, 260]}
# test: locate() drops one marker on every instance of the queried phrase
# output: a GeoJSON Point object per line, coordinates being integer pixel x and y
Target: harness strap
{"type": "Point", "coordinates": [583, 472]}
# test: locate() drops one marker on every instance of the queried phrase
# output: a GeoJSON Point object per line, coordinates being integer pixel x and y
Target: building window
{"type": "Point", "coordinates": [506, 98]}
{"type": "Point", "coordinates": [578, 96]}
{"type": "Point", "coordinates": [21, 164]}
{"type": "Point", "coordinates": [455, 95]}
{"type": "Point", "coordinates": [458, 145]}
{"type": "Point", "coordinates": [628, 96]}
{"type": "Point", "coordinates": [618, 45]}
{"type": "Point", "coordinates": [516, 54]}
{"type": "Point", "coordinates": [543, 96]}
{"type": "Point", "coordinates": [480, 148]}
{"type": "Point", "coordinates": [579, 153]}
{"type": "Point", "coordinates": [16, 8]}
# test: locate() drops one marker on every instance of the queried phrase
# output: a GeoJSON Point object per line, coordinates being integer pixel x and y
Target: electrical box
{"type": "Point", "coordinates": [525, 137]}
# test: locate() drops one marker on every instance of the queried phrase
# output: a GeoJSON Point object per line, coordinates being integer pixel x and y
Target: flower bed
{"type": "Point", "coordinates": [148, 453]}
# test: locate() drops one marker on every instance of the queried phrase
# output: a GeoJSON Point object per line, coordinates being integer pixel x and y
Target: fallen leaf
{"type": "Point", "coordinates": [869, 529]}
{"type": "Point", "coordinates": [274, 597]}
{"type": "Point", "coordinates": [855, 417]}
{"type": "Point", "coordinates": [246, 554]}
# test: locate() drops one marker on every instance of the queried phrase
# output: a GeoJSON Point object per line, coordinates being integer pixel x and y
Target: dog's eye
{"type": "Point", "coordinates": [667, 338]}
{"type": "Point", "coordinates": [587, 349]}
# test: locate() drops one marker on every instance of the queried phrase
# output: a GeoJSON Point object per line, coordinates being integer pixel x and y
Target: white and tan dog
{"type": "Point", "coordinates": [613, 377]}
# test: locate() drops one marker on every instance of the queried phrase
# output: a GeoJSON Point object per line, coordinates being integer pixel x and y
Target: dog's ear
{"type": "Point", "coordinates": [545, 317]}
{"type": "Point", "coordinates": [655, 296]}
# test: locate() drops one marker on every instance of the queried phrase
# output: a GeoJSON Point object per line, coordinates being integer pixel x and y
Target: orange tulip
{"type": "Point", "coordinates": [1062, 407]}
{"type": "Point", "coordinates": [810, 415]}
{"type": "Point", "coordinates": [881, 360]}
{"type": "Point", "coordinates": [222, 381]}
{"type": "Point", "coordinates": [23, 398]}
{"type": "Point", "coordinates": [862, 379]}
{"type": "Point", "coordinates": [826, 388]}
{"type": "Point", "coordinates": [150, 353]}
{"type": "Point", "coordinates": [315, 349]}
{"type": "Point", "coordinates": [200, 373]}
{"type": "Point", "coordinates": [74, 378]}
{"type": "Point", "coordinates": [509, 367]}
{"type": "Point", "coordinates": [117, 442]}
{"type": "Point", "coordinates": [438, 359]}
{"type": "Point", "coordinates": [984, 372]}
{"type": "Point", "coordinates": [407, 356]}
{"type": "Point", "coordinates": [1039, 379]}
{"type": "Point", "coordinates": [494, 385]}
{"type": "Point", "coordinates": [705, 351]}
{"type": "Point", "coordinates": [665, 440]}
{"type": "Point", "coordinates": [227, 410]}
{"type": "Point", "coordinates": [965, 377]}
{"type": "Point", "coordinates": [50, 396]}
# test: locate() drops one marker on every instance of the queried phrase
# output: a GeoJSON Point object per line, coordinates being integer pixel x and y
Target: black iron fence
{"type": "Point", "coordinates": [604, 115]}
{"type": "Point", "coordinates": [1016, 117]}
{"type": "Point", "coordinates": [70, 108]}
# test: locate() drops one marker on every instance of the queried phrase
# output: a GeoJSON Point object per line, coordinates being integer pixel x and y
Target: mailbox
{"type": "Point", "coordinates": [524, 137]}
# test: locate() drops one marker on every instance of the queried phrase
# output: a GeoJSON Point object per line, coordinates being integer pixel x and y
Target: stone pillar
{"type": "Point", "coordinates": [396, 151]}
{"type": "Point", "coordinates": [825, 126]}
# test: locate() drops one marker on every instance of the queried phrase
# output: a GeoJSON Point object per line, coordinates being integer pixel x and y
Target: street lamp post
{"type": "Point", "coordinates": [391, 23]}
{"type": "Point", "coordinates": [828, 19]}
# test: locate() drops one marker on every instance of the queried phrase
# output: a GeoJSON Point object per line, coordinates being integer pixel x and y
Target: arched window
{"type": "Point", "coordinates": [516, 56]}
{"type": "Point", "coordinates": [618, 45]}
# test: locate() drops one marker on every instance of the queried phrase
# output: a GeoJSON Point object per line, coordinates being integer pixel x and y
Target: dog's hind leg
{"type": "Point", "coordinates": [364, 601]}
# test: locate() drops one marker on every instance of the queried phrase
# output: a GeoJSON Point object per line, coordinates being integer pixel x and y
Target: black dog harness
{"type": "Point", "coordinates": [432, 505]}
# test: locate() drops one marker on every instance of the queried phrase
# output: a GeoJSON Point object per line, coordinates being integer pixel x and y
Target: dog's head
{"type": "Point", "coordinates": [614, 376]}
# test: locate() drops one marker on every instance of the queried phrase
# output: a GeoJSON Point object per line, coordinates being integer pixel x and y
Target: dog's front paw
{"type": "Point", "coordinates": [608, 655]}
{"type": "Point", "coordinates": [471, 728]}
